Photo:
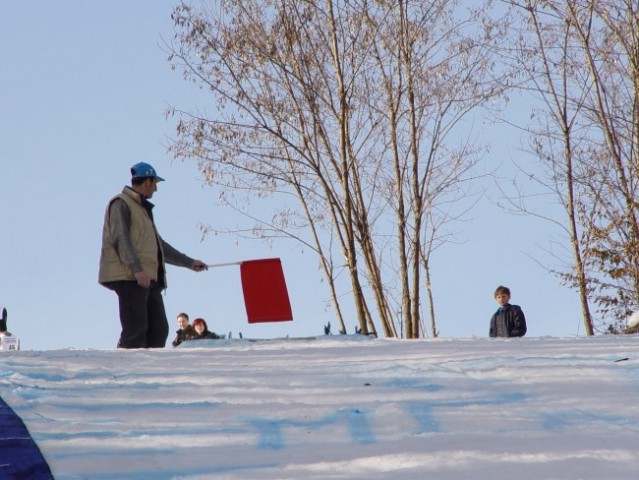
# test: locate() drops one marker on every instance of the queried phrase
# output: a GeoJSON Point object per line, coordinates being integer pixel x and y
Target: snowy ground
{"type": "Point", "coordinates": [335, 408]}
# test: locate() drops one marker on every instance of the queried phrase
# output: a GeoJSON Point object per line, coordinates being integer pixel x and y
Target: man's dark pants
{"type": "Point", "coordinates": [142, 315]}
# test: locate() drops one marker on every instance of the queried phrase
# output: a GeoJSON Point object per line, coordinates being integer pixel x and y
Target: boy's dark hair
{"type": "Point", "coordinates": [182, 314]}
{"type": "Point", "coordinates": [502, 289]}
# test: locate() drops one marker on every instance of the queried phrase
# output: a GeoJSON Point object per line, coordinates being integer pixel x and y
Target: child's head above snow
{"type": "Point", "coordinates": [502, 295]}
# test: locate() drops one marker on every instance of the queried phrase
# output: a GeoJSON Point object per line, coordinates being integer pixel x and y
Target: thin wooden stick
{"type": "Point", "coordinates": [224, 264]}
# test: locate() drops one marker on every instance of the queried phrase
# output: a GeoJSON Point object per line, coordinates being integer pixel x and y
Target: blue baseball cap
{"type": "Point", "coordinates": [144, 170]}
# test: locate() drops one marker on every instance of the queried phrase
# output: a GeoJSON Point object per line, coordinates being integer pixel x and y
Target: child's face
{"type": "Point", "coordinates": [502, 298]}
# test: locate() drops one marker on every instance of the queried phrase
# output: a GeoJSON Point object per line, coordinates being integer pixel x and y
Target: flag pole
{"type": "Point", "coordinates": [224, 264]}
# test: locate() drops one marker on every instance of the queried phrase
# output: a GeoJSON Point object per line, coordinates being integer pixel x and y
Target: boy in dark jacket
{"type": "Point", "coordinates": [185, 332]}
{"type": "Point", "coordinates": [508, 320]}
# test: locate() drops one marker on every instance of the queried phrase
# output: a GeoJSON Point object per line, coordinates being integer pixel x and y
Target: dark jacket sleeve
{"type": "Point", "coordinates": [518, 327]}
{"type": "Point", "coordinates": [493, 327]}
{"type": "Point", "coordinates": [173, 256]}
{"type": "Point", "coordinates": [177, 340]}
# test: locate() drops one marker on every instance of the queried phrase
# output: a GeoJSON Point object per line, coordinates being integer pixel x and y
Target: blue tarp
{"type": "Point", "coordinates": [20, 457]}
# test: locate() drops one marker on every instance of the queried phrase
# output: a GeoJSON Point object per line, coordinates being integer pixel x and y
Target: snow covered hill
{"type": "Point", "coordinates": [335, 408]}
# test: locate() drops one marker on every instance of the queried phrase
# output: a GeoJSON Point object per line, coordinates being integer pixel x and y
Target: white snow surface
{"type": "Point", "coordinates": [335, 407]}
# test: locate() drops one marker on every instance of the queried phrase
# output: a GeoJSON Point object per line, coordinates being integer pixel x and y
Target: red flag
{"type": "Point", "coordinates": [265, 294]}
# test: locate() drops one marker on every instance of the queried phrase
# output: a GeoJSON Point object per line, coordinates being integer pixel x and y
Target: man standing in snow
{"type": "Point", "coordinates": [508, 320]}
{"type": "Point", "coordinates": [132, 261]}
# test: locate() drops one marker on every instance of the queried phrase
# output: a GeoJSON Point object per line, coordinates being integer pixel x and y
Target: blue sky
{"type": "Point", "coordinates": [83, 91]}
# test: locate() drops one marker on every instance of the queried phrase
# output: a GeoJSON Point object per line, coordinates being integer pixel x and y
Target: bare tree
{"type": "Point", "coordinates": [582, 61]}
{"type": "Point", "coordinates": [351, 108]}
